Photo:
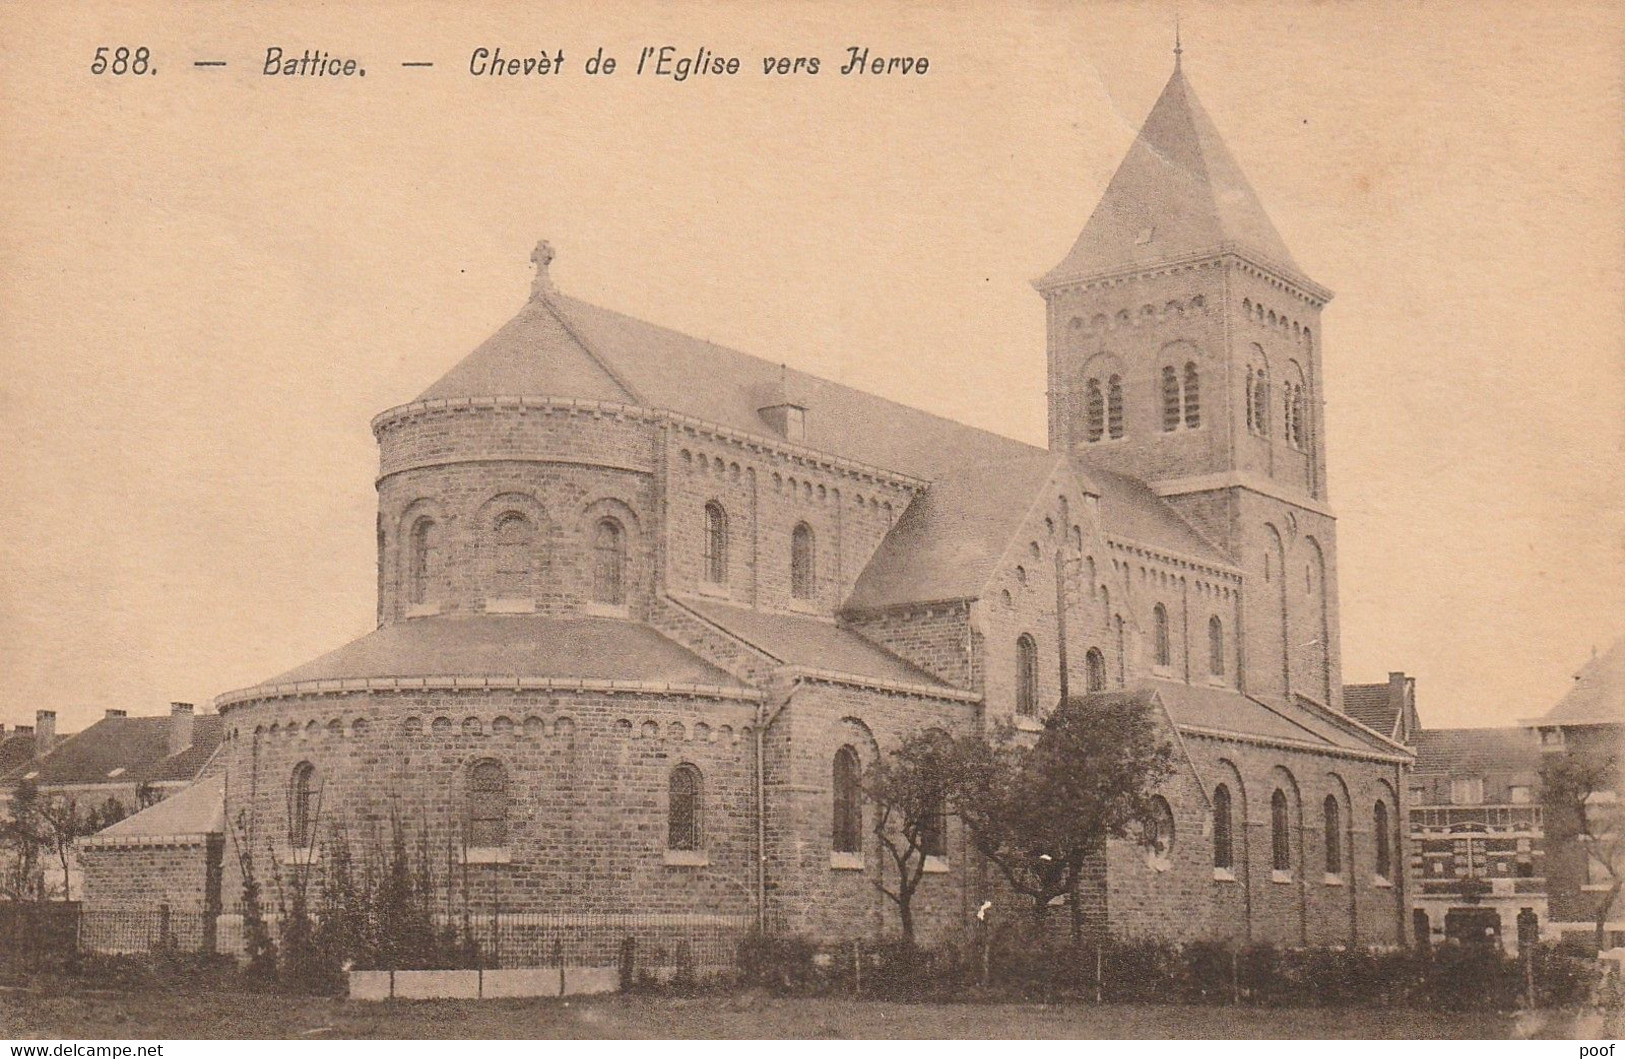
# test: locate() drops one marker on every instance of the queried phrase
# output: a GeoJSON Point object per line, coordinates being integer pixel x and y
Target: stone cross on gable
{"type": "Point", "coordinates": [541, 257]}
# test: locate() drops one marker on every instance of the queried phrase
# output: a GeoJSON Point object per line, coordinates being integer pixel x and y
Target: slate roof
{"type": "Point", "coordinates": [1129, 509]}
{"type": "Point", "coordinates": [815, 643]}
{"type": "Point", "coordinates": [1177, 193]}
{"type": "Point", "coordinates": [1229, 710]}
{"type": "Point", "coordinates": [512, 645]}
{"type": "Point", "coordinates": [1372, 705]}
{"type": "Point", "coordinates": [16, 748]}
{"type": "Point", "coordinates": [1598, 693]}
{"type": "Point", "coordinates": [138, 745]}
{"type": "Point", "coordinates": [558, 346]}
{"type": "Point", "coordinates": [949, 539]}
{"type": "Point", "coordinates": [199, 809]}
{"type": "Point", "coordinates": [1476, 751]}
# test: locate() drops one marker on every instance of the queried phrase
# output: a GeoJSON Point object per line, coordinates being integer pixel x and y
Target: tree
{"type": "Point", "coordinates": [1582, 800]}
{"type": "Point", "coordinates": [24, 837]}
{"type": "Point", "coordinates": [909, 789]}
{"type": "Point", "coordinates": [1039, 811]}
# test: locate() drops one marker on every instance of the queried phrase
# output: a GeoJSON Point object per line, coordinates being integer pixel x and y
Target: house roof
{"type": "Point", "coordinates": [1228, 710]}
{"type": "Point", "coordinates": [1177, 193]}
{"type": "Point", "coordinates": [1598, 693]}
{"type": "Point", "coordinates": [123, 750]}
{"type": "Point", "coordinates": [558, 346]}
{"type": "Point", "coordinates": [512, 645]}
{"type": "Point", "coordinates": [1372, 705]}
{"type": "Point", "coordinates": [1476, 751]}
{"type": "Point", "coordinates": [814, 643]}
{"type": "Point", "coordinates": [950, 538]}
{"type": "Point", "coordinates": [16, 748]}
{"type": "Point", "coordinates": [198, 809]}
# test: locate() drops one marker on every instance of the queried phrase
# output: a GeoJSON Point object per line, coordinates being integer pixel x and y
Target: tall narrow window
{"type": "Point", "coordinates": [1385, 852]}
{"type": "Point", "coordinates": [515, 545]}
{"type": "Point", "coordinates": [1215, 646]}
{"type": "Point", "coordinates": [609, 563]}
{"type": "Point", "coordinates": [1170, 398]}
{"type": "Point", "coordinates": [487, 805]}
{"type": "Point", "coordinates": [1280, 832]}
{"type": "Point", "coordinates": [1026, 676]}
{"type": "Point", "coordinates": [1223, 854]}
{"type": "Point", "coordinates": [1334, 836]}
{"type": "Point", "coordinates": [1122, 652]}
{"type": "Point", "coordinates": [425, 542]}
{"type": "Point", "coordinates": [1252, 415]}
{"type": "Point", "coordinates": [803, 561]}
{"type": "Point", "coordinates": [1114, 407]}
{"type": "Point", "coordinates": [1298, 431]}
{"type": "Point", "coordinates": [847, 824]}
{"type": "Point", "coordinates": [1193, 395]}
{"type": "Point", "coordinates": [685, 808]}
{"type": "Point", "coordinates": [1096, 410]}
{"type": "Point", "coordinates": [1094, 664]}
{"type": "Point", "coordinates": [716, 544]}
{"type": "Point", "coordinates": [304, 795]}
{"type": "Point", "coordinates": [934, 829]}
{"type": "Point", "coordinates": [1159, 633]}
{"type": "Point", "coordinates": [1261, 403]}
{"type": "Point", "coordinates": [1288, 407]}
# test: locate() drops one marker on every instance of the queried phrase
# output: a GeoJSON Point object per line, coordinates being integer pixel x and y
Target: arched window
{"type": "Point", "coordinates": [1334, 836]}
{"type": "Point", "coordinates": [1159, 631]}
{"type": "Point", "coordinates": [685, 809]}
{"type": "Point", "coordinates": [425, 543]}
{"type": "Point", "coordinates": [487, 805]}
{"type": "Point", "coordinates": [304, 802]}
{"type": "Point", "coordinates": [803, 562]}
{"type": "Point", "coordinates": [1288, 408]}
{"type": "Point", "coordinates": [1026, 675]}
{"type": "Point", "coordinates": [1159, 833]}
{"type": "Point", "coordinates": [716, 544]}
{"type": "Point", "coordinates": [1096, 410]}
{"type": "Point", "coordinates": [1252, 415]}
{"type": "Point", "coordinates": [1170, 398]}
{"type": "Point", "coordinates": [1223, 853]}
{"type": "Point", "coordinates": [1261, 403]}
{"type": "Point", "coordinates": [1298, 431]}
{"type": "Point", "coordinates": [1193, 395]}
{"type": "Point", "coordinates": [1385, 853]}
{"type": "Point", "coordinates": [1094, 665]}
{"type": "Point", "coordinates": [609, 563]}
{"type": "Point", "coordinates": [515, 538]}
{"type": "Point", "coordinates": [846, 829]}
{"type": "Point", "coordinates": [934, 829]}
{"type": "Point", "coordinates": [1215, 646]}
{"type": "Point", "coordinates": [1114, 407]}
{"type": "Point", "coordinates": [1280, 832]}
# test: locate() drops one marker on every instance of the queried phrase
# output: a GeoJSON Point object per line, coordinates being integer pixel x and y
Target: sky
{"type": "Point", "coordinates": [211, 279]}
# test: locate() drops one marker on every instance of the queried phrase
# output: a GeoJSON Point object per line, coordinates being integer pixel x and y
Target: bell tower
{"type": "Point", "coordinates": [1184, 349]}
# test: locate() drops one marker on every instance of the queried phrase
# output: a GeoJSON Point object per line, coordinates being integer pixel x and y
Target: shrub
{"type": "Point", "coordinates": [779, 963]}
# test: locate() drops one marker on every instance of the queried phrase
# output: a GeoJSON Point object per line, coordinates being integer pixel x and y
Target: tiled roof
{"type": "Point", "coordinates": [137, 745]}
{"type": "Point", "coordinates": [558, 346]}
{"type": "Point", "coordinates": [952, 535]}
{"type": "Point", "coordinates": [1598, 693]}
{"type": "Point", "coordinates": [802, 640]}
{"type": "Point", "coordinates": [195, 810]}
{"type": "Point", "coordinates": [1372, 705]}
{"type": "Point", "coordinates": [1476, 750]}
{"type": "Point", "coordinates": [1228, 710]}
{"type": "Point", "coordinates": [1130, 510]}
{"type": "Point", "coordinates": [15, 749]}
{"type": "Point", "coordinates": [513, 645]}
{"type": "Point", "coordinates": [1177, 193]}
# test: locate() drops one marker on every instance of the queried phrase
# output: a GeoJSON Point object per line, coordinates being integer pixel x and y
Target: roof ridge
{"type": "Point", "coordinates": [597, 358]}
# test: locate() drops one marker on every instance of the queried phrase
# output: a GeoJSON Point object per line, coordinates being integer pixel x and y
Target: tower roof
{"type": "Point", "coordinates": [1177, 193]}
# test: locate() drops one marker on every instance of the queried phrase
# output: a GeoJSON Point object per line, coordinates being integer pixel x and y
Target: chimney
{"type": "Point", "coordinates": [24, 729]}
{"type": "Point", "coordinates": [180, 727]}
{"type": "Point", "coordinates": [117, 713]}
{"type": "Point", "coordinates": [44, 731]}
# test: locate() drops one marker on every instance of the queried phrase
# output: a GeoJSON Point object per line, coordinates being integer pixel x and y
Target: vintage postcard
{"type": "Point", "coordinates": [788, 519]}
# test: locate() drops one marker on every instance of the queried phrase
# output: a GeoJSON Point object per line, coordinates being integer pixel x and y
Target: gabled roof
{"type": "Point", "coordinates": [1476, 751]}
{"type": "Point", "coordinates": [509, 646]}
{"type": "Point", "coordinates": [1129, 509]}
{"type": "Point", "coordinates": [952, 535]}
{"type": "Point", "coordinates": [558, 346]}
{"type": "Point", "coordinates": [16, 748]}
{"type": "Point", "coordinates": [1598, 693]}
{"type": "Point", "coordinates": [1372, 705]}
{"type": "Point", "coordinates": [1231, 711]}
{"type": "Point", "coordinates": [1177, 193]}
{"type": "Point", "coordinates": [123, 750]}
{"type": "Point", "coordinates": [814, 643]}
{"type": "Point", "coordinates": [199, 809]}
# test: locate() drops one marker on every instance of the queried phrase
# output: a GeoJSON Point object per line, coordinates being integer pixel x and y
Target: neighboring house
{"type": "Point", "coordinates": [648, 607]}
{"type": "Point", "coordinates": [116, 767]}
{"type": "Point", "coordinates": [1588, 726]}
{"type": "Point", "coordinates": [1477, 843]}
{"type": "Point", "coordinates": [1389, 709]}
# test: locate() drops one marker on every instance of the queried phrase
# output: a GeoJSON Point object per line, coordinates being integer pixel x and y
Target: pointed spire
{"type": "Point", "coordinates": [1177, 193]}
{"type": "Point", "coordinates": [1178, 51]}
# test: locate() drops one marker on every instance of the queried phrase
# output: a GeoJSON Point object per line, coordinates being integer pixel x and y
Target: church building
{"type": "Point", "coordinates": [648, 607]}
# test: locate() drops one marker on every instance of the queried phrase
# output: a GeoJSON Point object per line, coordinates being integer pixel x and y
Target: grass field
{"type": "Point", "coordinates": [48, 1013]}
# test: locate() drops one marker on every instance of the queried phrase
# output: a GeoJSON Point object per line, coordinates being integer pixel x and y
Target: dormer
{"type": "Point", "coordinates": [784, 412]}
